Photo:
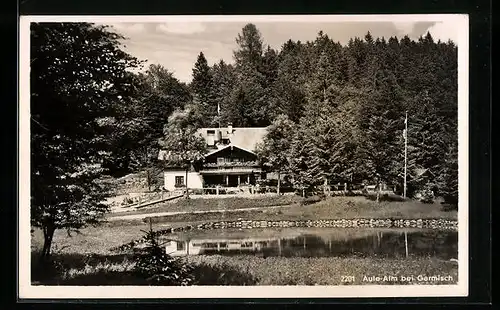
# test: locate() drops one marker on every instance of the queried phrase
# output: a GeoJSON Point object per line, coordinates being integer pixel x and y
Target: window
{"type": "Point", "coordinates": [211, 137]}
{"type": "Point", "coordinates": [210, 245]}
{"type": "Point", "coordinates": [220, 160]}
{"type": "Point", "coordinates": [247, 244]}
{"type": "Point", "coordinates": [179, 181]}
{"type": "Point", "coordinates": [180, 246]}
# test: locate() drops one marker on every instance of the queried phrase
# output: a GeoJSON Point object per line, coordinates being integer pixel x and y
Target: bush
{"type": "Point", "coordinates": [159, 268]}
{"type": "Point", "coordinates": [47, 271]}
{"type": "Point", "coordinates": [427, 196]}
{"type": "Point", "coordinates": [127, 201]}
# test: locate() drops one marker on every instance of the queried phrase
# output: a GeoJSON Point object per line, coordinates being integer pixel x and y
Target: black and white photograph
{"type": "Point", "coordinates": [243, 156]}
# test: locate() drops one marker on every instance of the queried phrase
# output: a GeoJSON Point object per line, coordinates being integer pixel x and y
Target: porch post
{"type": "Point", "coordinates": [227, 180]}
{"type": "Point", "coordinates": [239, 180]}
{"type": "Point", "coordinates": [248, 179]}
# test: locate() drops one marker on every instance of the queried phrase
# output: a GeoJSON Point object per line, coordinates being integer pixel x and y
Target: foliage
{"type": "Point", "coordinates": [181, 142]}
{"type": "Point", "coordinates": [274, 150]}
{"type": "Point", "coordinates": [78, 74]}
{"type": "Point", "coordinates": [159, 268]}
{"type": "Point", "coordinates": [157, 93]}
{"type": "Point", "coordinates": [347, 103]}
{"type": "Point", "coordinates": [203, 96]}
{"type": "Point", "coordinates": [448, 177]}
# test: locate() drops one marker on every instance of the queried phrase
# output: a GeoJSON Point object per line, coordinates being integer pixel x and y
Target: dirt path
{"type": "Point", "coordinates": [156, 214]}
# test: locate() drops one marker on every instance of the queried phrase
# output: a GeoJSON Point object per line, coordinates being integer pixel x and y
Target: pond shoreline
{"type": "Point", "coordinates": [434, 224]}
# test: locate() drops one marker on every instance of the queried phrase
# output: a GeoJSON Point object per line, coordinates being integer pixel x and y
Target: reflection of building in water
{"type": "Point", "coordinates": [200, 246]}
{"type": "Point", "coordinates": [390, 244]}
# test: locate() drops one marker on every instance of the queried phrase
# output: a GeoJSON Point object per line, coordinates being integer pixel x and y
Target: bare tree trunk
{"type": "Point", "coordinates": [48, 235]}
{"type": "Point", "coordinates": [378, 191]}
{"type": "Point", "coordinates": [148, 179]}
{"type": "Point", "coordinates": [279, 182]}
{"type": "Point", "coordinates": [187, 189]}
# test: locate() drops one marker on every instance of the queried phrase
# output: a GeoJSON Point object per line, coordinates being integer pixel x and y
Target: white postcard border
{"type": "Point", "coordinates": [26, 290]}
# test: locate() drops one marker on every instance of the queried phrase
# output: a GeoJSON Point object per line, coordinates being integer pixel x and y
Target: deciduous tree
{"type": "Point", "coordinates": [78, 72]}
{"type": "Point", "coordinates": [182, 144]}
{"type": "Point", "coordinates": [274, 150]}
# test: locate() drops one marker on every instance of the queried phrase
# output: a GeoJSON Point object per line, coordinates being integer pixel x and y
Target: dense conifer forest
{"type": "Point", "coordinates": [346, 105]}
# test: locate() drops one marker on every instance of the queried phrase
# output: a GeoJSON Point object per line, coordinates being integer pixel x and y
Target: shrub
{"type": "Point", "coordinates": [127, 201]}
{"type": "Point", "coordinates": [427, 196]}
{"type": "Point", "coordinates": [159, 268]}
{"type": "Point", "coordinates": [47, 271]}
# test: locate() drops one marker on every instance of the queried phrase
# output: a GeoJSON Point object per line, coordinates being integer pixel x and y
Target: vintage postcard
{"type": "Point", "coordinates": [282, 156]}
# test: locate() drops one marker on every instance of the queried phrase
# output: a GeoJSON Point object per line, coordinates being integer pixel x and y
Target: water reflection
{"type": "Point", "coordinates": [391, 244]}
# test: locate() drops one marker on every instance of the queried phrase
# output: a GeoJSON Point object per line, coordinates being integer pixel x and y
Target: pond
{"type": "Point", "coordinates": [315, 242]}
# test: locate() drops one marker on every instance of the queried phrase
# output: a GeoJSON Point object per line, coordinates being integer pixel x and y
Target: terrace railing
{"type": "Point", "coordinates": [232, 164]}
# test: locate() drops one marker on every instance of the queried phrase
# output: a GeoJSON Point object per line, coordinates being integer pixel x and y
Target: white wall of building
{"type": "Point", "coordinates": [195, 180]}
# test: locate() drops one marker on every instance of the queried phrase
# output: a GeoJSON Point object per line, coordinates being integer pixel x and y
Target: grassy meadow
{"type": "Point", "coordinates": [216, 203]}
{"type": "Point", "coordinates": [331, 208]}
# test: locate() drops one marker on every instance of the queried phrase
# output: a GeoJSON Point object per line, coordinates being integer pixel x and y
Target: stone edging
{"type": "Point", "coordinates": [443, 224]}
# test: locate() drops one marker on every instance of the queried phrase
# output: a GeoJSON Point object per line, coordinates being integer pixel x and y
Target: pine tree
{"type": "Point", "coordinates": [447, 181]}
{"type": "Point", "coordinates": [224, 81]}
{"type": "Point", "coordinates": [426, 137]}
{"type": "Point", "coordinates": [384, 125]}
{"type": "Point", "coordinates": [250, 48]}
{"type": "Point", "coordinates": [251, 80]}
{"type": "Point", "coordinates": [289, 86]}
{"type": "Point", "coordinates": [201, 87]}
{"type": "Point", "coordinates": [269, 66]}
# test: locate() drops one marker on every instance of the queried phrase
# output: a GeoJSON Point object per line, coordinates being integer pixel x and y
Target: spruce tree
{"type": "Point", "coordinates": [201, 87]}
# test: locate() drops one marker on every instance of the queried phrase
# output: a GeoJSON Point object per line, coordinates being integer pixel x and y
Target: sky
{"type": "Point", "coordinates": [176, 45]}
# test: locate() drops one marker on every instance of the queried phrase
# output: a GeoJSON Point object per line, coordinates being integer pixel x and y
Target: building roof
{"type": "Point", "coordinates": [228, 146]}
{"type": "Point", "coordinates": [243, 137]}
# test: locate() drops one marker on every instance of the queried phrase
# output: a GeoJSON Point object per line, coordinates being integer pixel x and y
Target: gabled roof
{"type": "Point", "coordinates": [229, 146]}
{"type": "Point", "coordinates": [243, 137]}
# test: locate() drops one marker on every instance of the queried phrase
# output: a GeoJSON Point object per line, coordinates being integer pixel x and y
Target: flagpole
{"type": "Point", "coordinates": [406, 153]}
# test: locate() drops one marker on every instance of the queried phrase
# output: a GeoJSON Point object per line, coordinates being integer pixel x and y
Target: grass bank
{"type": "Point", "coordinates": [87, 270]}
{"type": "Point", "coordinates": [252, 270]}
{"type": "Point", "coordinates": [330, 270]}
{"type": "Point", "coordinates": [226, 203]}
{"type": "Point", "coordinates": [331, 208]}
